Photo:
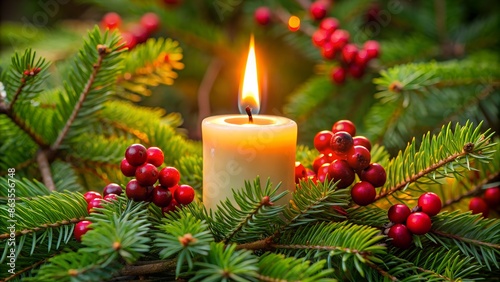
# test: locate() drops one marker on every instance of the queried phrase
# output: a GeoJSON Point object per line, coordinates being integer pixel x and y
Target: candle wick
{"type": "Point", "coordinates": [249, 113]}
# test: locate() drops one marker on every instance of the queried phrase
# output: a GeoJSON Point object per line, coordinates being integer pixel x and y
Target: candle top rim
{"type": "Point", "coordinates": [239, 120]}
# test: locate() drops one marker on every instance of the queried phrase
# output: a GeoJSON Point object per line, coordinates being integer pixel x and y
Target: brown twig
{"type": "Point", "coordinates": [16, 95]}
{"type": "Point", "coordinates": [42, 158]}
{"type": "Point", "coordinates": [204, 90]}
{"type": "Point", "coordinates": [149, 267]}
{"type": "Point", "coordinates": [475, 242]}
{"type": "Point", "coordinates": [263, 244]}
{"type": "Point", "coordinates": [475, 190]}
{"type": "Point", "coordinates": [41, 227]}
{"type": "Point", "coordinates": [381, 271]}
{"type": "Point", "coordinates": [103, 51]}
{"type": "Point", "coordinates": [421, 173]}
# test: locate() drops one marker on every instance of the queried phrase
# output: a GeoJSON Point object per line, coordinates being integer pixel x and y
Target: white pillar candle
{"type": "Point", "coordinates": [235, 151]}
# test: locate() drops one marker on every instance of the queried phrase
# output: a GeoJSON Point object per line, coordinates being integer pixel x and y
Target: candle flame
{"type": "Point", "coordinates": [249, 94]}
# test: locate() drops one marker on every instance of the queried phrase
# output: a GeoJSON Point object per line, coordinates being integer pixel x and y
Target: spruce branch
{"type": "Point", "coordinates": [16, 95]}
{"type": "Point", "coordinates": [248, 219]}
{"type": "Point", "coordinates": [413, 178]}
{"type": "Point", "coordinates": [443, 155]}
{"type": "Point", "coordinates": [476, 237]}
{"type": "Point", "coordinates": [476, 189]}
{"type": "Point", "coordinates": [314, 202]}
{"type": "Point", "coordinates": [27, 129]}
{"type": "Point", "coordinates": [43, 227]}
{"type": "Point", "coordinates": [103, 51]}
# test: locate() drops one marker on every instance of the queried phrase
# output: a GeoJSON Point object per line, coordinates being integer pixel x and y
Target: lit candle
{"type": "Point", "coordinates": [236, 149]}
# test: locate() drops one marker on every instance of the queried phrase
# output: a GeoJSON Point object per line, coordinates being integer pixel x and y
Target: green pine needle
{"type": "Point", "coordinates": [184, 236]}
{"type": "Point", "coordinates": [277, 267]}
{"type": "Point", "coordinates": [225, 263]}
{"type": "Point", "coordinates": [251, 216]}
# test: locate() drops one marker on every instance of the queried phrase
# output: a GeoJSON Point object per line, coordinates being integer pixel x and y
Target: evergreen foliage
{"type": "Point", "coordinates": [429, 104]}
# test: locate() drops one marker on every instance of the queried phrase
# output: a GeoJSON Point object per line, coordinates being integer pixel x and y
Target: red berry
{"type": "Point", "coordinates": [374, 173]}
{"type": "Point", "coordinates": [327, 51]}
{"type": "Point", "coordinates": [155, 156]}
{"type": "Point", "coordinates": [419, 223]}
{"type": "Point", "coordinates": [344, 125]}
{"type": "Point", "coordinates": [136, 192]}
{"type": "Point", "coordinates": [128, 41]}
{"type": "Point", "coordinates": [184, 194]}
{"type": "Point", "coordinates": [90, 195]}
{"type": "Point", "coordinates": [169, 176]}
{"type": "Point", "coordinates": [146, 174]}
{"type": "Point", "coordinates": [349, 52]}
{"type": "Point", "coordinates": [80, 229]}
{"type": "Point", "coordinates": [262, 15]}
{"type": "Point", "coordinates": [398, 213]}
{"type": "Point", "coordinates": [478, 205]}
{"type": "Point", "coordinates": [329, 25]}
{"type": "Point", "coordinates": [127, 169]}
{"type": "Point", "coordinates": [362, 141]}
{"type": "Point", "coordinates": [322, 140]}
{"type": "Point", "coordinates": [338, 75]}
{"type": "Point", "coordinates": [322, 174]}
{"type": "Point", "coordinates": [341, 142]}
{"type": "Point", "coordinates": [317, 10]}
{"type": "Point", "coordinates": [359, 158]}
{"type": "Point", "coordinates": [112, 188]}
{"type": "Point", "coordinates": [150, 21]}
{"type": "Point", "coordinates": [319, 38]}
{"type": "Point", "coordinates": [139, 32]}
{"type": "Point", "coordinates": [339, 39]}
{"type": "Point", "coordinates": [170, 208]}
{"type": "Point", "coordinates": [161, 196]}
{"type": "Point", "coordinates": [401, 236]}
{"type": "Point", "coordinates": [492, 197]}
{"type": "Point", "coordinates": [430, 203]}
{"type": "Point", "coordinates": [110, 197]}
{"type": "Point", "coordinates": [363, 193]}
{"type": "Point", "coordinates": [322, 159]}
{"type": "Point", "coordinates": [356, 70]}
{"type": "Point", "coordinates": [95, 203]}
{"type": "Point", "coordinates": [372, 48]}
{"type": "Point", "coordinates": [361, 58]}
{"type": "Point", "coordinates": [340, 170]}
{"type": "Point", "coordinates": [300, 172]}
{"type": "Point", "coordinates": [136, 154]}
{"type": "Point", "coordinates": [111, 20]}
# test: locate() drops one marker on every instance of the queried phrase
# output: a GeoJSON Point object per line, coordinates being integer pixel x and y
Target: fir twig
{"type": "Point", "coordinates": [467, 240]}
{"type": "Point", "coordinates": [43, 227]}
{"type": "Point", "coordinates": [16, 95]}
{"type": "Point", "coordinates": [22, 124]}
{"type": "Point", "coordinates": [467, 149]}
{"type": "Point", "coordinates": [476, 189]}
{"type": "Point", "coordinates": [103, 51]}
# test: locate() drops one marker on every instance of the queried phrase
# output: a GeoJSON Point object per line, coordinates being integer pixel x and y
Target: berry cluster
{"type": "Point", "coordinates": [143, 164]}
{"type": "Point", "coordinates": [489, 200]}
{"type": "Point", "coordinates": [134, 33]}
{"type": "Point", "coordinates": [406, 222]}
{"type": "Point", "coordinates": [341, 157]}
{"type": "Point", "coordinates": [333, 43]}
{"type": "Point", "coordinates": [94, 200]}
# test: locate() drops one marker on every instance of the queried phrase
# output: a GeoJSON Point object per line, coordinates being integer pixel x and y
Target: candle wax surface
{"type": "Point", "coordinates": [235, 151]}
